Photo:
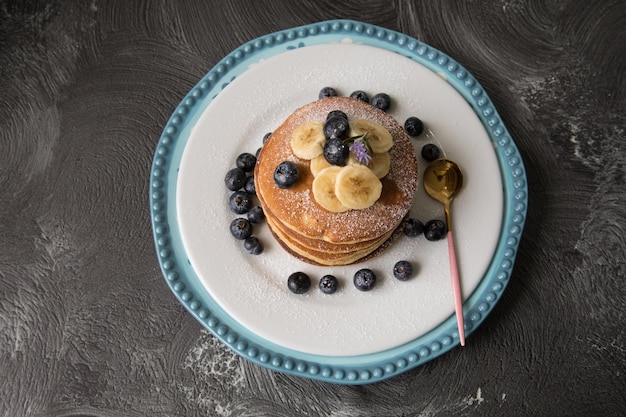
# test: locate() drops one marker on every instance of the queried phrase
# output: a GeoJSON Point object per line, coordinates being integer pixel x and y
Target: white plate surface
{"type": "Point", "coordinates": [253, 290]}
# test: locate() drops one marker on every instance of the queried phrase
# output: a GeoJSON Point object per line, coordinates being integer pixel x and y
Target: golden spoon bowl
{"type": "Point", "coordinates": [443, 181]}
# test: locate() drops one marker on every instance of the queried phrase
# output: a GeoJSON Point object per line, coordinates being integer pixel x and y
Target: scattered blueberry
{"type": "Point", "coordinates": [364, 279]}
{"type": "Point", "coordinates": [327, 92]}
{"type": "Point", "coordinates": [246, 161]}
{"type": "Point", "coordinates": [249, 186]}
{"type": "Point", "coordinates": [286, 174]}
{"type": "Point", "coordinates": [435, 230]}
{"type": "Point", "coordinates": [336, 113]}
{"type": "Point", "coordinates": [336, 127]}
{"type": "Point", "coordinates": [328, 284]}
{"type": "Point", "coordinates": [381, 101]}
{"type": "Point", "coordinates": [266, 136]}
{"type": "Point", "coordinates": [413, 227]}
{"type": "Point", "coordinates": [430, 152]}
{"type": "Point", "coordinates": [235, 179]}
{"type": "Point", "coordinates": [241, 228]}
{"type": "Point", "coordinates": [256, 154]}
{"type": "Point", "coordinates": [336, 151]}
{"type": "Point", "coordinates": [413, 126]}
{"type": "Point", "coordinates": [360, 95]}
{"type": "Point", "coordinates": [240, 202]}
{"type": "Point", "coordinates": [256, 215]}
{"type": "Point", "coordinates": [253, 245]}
{"type": "Point", "coordinates": [403, 270]}
{"type": "Point", "coordinates": [299, 283]}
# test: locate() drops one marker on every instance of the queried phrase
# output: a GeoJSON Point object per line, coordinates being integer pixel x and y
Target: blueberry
{"type": "Point", "coordinates": [413, 126]}
{"type": "Point", "coordinates": [235, 179]}
{"type": "Point", "coordinates": [430, 152]}
{"type": "Point", "coordinates": [246, 161]}
{"type": "Point", "coordinates": [381, 101]}
{"type": "Point", "coordinates": [266, 136]}
{"type": "Point", "coordinates": [403, 270]}
{"type": "Point", "coordinates": [328, 284]}
{"type": "Point", "coordinates": [299, 283]}
{"type": "Point", "coordinates": [240, 202]}
{"type": "Point", "coordinates": [435, 230]}
{"type": "Point", "coordinates": [241, 228]}
{"type": "Point", "coordinates": [253, 245]}
{"type": "Point", "coordinates": [364, 279]}
{"type": "Point", "coordinates": [249, 186]}
{"type": "Point", "coordinates": [256, 215]}
{"type": "Point", "coordinates": [336, 151]}
{"type": "Point", "coordinates": [327, 92]}
{"type": "Point", "coordinates": [336, 113]}
{"type": "Point", "coordinates": [336, 127]}
{"type": "Point", "coordinates": [360, 95]}
{"type": "Point", "coordinates": [258, 151]}
{"type": "Point", "coordinates": [413, 227]}
{"type": "Point", "coordinates": [286, 174]}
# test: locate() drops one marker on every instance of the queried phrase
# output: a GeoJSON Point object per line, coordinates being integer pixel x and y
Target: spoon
{"type": "Point", "coordinates": [443, 181]}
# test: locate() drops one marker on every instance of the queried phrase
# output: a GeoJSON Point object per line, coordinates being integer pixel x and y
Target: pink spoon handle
{"type": "Point", "coordinates": [456, 289]}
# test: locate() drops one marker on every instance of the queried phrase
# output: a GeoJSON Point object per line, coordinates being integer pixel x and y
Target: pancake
{"type": "Point", "coordinates": [308, 230]}
{"type": "Point", "coordinates": [333, 259]}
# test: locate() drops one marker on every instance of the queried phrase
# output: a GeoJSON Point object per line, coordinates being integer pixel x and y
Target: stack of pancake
{"type": "Point", "coordinates": [309, 231]}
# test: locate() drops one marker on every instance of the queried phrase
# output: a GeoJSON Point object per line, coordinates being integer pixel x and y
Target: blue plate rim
{"type": "Point", "coordinates": [361, 369]}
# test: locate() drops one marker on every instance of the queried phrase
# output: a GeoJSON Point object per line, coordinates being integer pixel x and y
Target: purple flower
{"type": "Point", "coordinates": [360, 151]}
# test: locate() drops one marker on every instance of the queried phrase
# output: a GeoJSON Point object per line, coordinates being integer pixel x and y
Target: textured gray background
{"type": "Point", "coordinates": [88, 326]}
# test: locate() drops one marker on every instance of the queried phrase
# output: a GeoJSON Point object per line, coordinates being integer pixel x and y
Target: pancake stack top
{"type": "Point", "coordinates": [338, 215]}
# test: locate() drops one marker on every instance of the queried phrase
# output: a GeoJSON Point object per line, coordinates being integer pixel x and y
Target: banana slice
{"type": "Point", "coordinates": [378, 137]}
{"type": "Point", "coordinates": [307, 140]}
{"type": "Point", "coordinates": [324, 189]}
{"type": "Point", "coordinates": [380, 163]}
{"type": "Point", "coordinates": [319, 163]}
{"type": "Point", "coordinates": [357, 187]}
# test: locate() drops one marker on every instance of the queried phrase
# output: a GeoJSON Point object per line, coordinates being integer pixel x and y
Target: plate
{"type": "Point", "coordinates": [252, 289]}
{"type": "Point", "coordinates": [348, 337]}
